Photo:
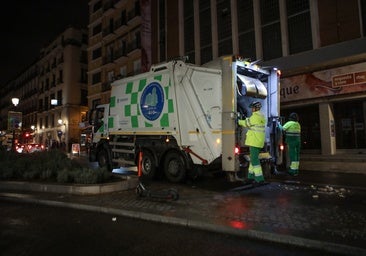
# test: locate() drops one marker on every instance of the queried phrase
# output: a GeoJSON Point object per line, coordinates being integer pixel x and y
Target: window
{"type": "Point", "coordinates": [109, 56]}
{"type": "Point", "coordinates": [97, 6]}
{"type": "Point", "coordinates": [363, 16]}
{"type": "Point", "coordinates": [40, 104]}
{"type": "Point", "coordinates": [97, 53]}
{"type": "Point", "coordinates": [162, 32]}
{"type": "Point", "coordinates": [224, 27]}
{"type": "Point", "coordinates": [299, 26]}
{"type": "Point", "coordinates": [189, 30]}
{"type": "Point", "coordinates": [46, 103]}
{"type": "Point", "coordinates": [350, 124]}
{"type": "Point", "coordinates": [96, 78]}
{"type": "Point", "coordinates": [110, 76]}
{"type": "Point", "coordinates": [123, 71]}
{"type": "Point", "coordinates": [205, 31]}
{"type": "Point", "coordinates": [59, 97]}
{"type": "Point", "coordinates": [271, 29]}
{"type": "Point", "coordinates": [97, 29]}
{"type": "Point", "coordinates": [60, 77]}
{"type": "Point", "coordinates": [84, 39]}
{"type": "Point", "coordinates": [84, 97]}
{"type": "Point", "coordinates": [52, 98]}
{"type": "Point", "coordinates": [52, 120]}
{"type": "Point", "coordinates": [137, 66]}
{"type": "Point", "coordinates": [137, 8]}
{"type": "Point", "coordinates": [245, 16]}
{"type": "Point", "coordinates": [84, 57]}
{"type": "Point", "coordinates": [123, 17]}
{"type": "Point", "coordinates": [84, 75]}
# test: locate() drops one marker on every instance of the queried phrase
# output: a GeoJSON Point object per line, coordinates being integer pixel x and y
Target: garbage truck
{"type": "Point", "coordinates": [184, 119]}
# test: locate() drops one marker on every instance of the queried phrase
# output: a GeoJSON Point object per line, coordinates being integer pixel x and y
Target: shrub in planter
{"type": "Point", "coordinates": [52, 166]}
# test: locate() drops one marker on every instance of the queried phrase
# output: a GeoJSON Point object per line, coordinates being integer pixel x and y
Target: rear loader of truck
{"type": "Point", "coordinates": [183, 118]}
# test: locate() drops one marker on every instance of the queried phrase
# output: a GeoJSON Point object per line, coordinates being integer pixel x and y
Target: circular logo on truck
{"type": "Point", "coordinates": [152, 101]}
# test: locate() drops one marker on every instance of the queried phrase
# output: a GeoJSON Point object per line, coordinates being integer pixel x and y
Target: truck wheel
{"type": "Point", "coordinates": [174, 167]}
{"type": "Point", "coordinates": [103, 159]}
{"type": "Point", "coordinates": [148, 165]}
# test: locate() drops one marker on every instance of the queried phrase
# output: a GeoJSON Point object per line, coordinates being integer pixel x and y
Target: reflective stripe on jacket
{"type": "Point", "coordinates": [292, 128]}
{"type": "Point", "coordinates": [256, 129]}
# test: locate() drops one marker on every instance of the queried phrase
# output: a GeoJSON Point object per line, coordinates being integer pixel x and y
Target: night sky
{"type": "Point", "coordinates": [27, 26]}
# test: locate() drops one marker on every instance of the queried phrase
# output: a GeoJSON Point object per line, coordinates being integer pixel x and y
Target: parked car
{"type": "Point", "coordinates": [33, 147]}
{"type": "Point", "coordinates": [20, 148]}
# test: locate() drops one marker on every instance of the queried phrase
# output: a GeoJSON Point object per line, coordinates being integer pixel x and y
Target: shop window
{"type": "Point", "coordinates": [350, 124]}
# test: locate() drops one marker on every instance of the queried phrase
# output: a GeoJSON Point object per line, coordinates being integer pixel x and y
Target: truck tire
{"type": "Point", "coordinates": [174, 167]}
{"type": "Point", "coordinates": [148, 165]}
{"type": "Point", "coordinates": [103, 159]}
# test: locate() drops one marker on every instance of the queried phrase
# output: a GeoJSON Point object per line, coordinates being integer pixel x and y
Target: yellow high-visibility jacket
{"type": "Point", "coordinates": [256, 129]}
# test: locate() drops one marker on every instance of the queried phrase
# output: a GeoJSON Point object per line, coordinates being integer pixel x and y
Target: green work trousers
{"type": "Point", "coordinates": [255, 168]}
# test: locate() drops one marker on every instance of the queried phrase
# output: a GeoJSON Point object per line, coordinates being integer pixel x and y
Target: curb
{"type": "Point", "coordinates": [252, 234]}
{"type": "Point", "coordinates": [125, 184]}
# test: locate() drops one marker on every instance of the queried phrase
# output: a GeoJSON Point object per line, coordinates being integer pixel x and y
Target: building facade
{"type": "Point", "coordinates": [125, 38]}
{"type": "Point", "coordinates": [319, 45]}
{"type": "Point", "coordinates": [52, 92]}
{"type": "Point", "coordinates": [119, 42]}
{"type": "Point", "coordinates": [62, 89]}
{"type": "Point", "coordinates": [25, 88]}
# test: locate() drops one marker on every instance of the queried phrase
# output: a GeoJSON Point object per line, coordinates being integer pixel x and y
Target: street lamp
{"type": "Point", "coordinates": [15, 102]}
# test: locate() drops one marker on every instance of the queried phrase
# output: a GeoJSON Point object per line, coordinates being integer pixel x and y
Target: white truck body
{"type": "Point", "coordinates": [180, 110]}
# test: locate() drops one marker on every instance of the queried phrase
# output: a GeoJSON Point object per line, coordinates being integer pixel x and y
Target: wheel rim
{"type": "Point", "coordinates": [147, 165]}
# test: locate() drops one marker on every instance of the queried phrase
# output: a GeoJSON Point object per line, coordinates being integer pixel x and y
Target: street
{"type": "Point", "coordinates": [31, 229]}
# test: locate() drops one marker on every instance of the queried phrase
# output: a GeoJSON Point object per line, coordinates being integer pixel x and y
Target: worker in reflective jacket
{"type": "Point", "coordinates": [292, 130]}
{"type": "Point", "coordinates": [255, 137]}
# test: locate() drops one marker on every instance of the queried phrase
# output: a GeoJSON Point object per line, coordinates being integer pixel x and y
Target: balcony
{"type": "Point", "coordinates": [120, 26]}
{"type": "Point", "coordinates": [108, 7]}
{"type": "Point", "coordinates": [108, 60]}
{"type": "Point", "coordinates": [133, 46]}
{"type": "Point", "coordinates": [108, 33]}
{"type": "Point", "coordinates": [120, 55]}
{"type": "Point", "coordinates": [106, 86]}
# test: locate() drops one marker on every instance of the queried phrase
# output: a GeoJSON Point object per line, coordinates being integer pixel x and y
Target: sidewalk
{"type": "Point", "coordinates": [328, 218]}
{"type": "Point", "coordinates": [339, 163]}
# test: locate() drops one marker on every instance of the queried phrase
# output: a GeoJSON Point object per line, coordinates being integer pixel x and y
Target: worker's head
{"type": "Point", "coordinates": [256, 106]}
{"type": "Point", "coordinates": [293, 117]}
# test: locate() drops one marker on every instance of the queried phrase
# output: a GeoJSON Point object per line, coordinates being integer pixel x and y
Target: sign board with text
{"type": "Point", "coordinates": [336, 81]}
{"type": "Point", "coordinates": [14, 120]}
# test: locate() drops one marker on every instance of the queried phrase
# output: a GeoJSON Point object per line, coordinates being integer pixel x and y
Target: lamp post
{"type": "Point", "coordinates": [15, 102]}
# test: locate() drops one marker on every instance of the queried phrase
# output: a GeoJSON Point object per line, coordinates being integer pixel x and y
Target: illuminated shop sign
{"type": "Point", "coordinates": [337, 81]}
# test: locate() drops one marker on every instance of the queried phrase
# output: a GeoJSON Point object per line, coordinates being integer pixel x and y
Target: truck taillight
{"type": "Point", "coordinates": [282, 147]}
{"type": "Point", "coordinates": [237, 150]}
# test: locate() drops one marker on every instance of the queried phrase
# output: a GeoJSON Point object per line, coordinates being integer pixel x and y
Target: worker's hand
{"type": "Point", "coordinates": [238, 117]}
